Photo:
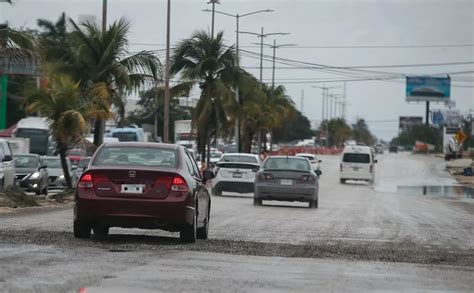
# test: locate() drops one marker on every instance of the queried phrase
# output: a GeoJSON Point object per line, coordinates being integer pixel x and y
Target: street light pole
{"type": "Point", "coordinates": [166, 118]}
{"type": "Point", "coordinates": [237, 98]}
{"type": "Point", "coordinates": [213, 2]}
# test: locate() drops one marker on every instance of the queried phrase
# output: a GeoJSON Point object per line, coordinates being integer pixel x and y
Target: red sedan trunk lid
{"type": "Point", "coordinates": [131, 183]}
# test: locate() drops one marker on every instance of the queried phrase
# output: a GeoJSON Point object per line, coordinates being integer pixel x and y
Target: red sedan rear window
{"type": "Point", "coordinates": [136, 156]}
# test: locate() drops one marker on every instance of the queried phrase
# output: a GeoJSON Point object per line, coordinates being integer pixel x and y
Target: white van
{"type": "Point", "coordinates": [357, 163]}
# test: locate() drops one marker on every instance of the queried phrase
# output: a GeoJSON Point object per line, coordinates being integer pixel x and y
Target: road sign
{"type": "Point", "coordinates": [460, 137]}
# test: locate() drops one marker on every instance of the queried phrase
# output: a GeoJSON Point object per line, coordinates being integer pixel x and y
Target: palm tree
{"type": "Point", "coordinates": [103, 65]}
{"type": "Point", "coordinates": [53, 40]}
{"type": "Point", "coordinates": [16, 47]}
{"type": "Point", "coordinates": [207, 61]}
{"type": "Point", "coordinates": [68, 112]}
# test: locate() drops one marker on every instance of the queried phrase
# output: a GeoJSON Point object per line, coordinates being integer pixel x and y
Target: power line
{"type": "Point", "coordinates": [344, 46]}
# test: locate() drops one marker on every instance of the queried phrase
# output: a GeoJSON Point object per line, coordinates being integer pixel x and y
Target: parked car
{"type": "Point", "coordinates": [287, 178]}
{"type": "Point", "coordinates": [31, 174]}
{"type": "Point", "coordinates": [56, 174]}
{"type": "Point", "coordinates": [143, 185]}
{"type": "Point", "coordinates": [81, 166]}
{"type": "Point", "coordinates": [75, 155]}
{"type": "Point", "coordinates": [312, 159]}
{"type": "Point", "coordinates": [235, 172]}
{"type": "Point", "coordinates": [357, 163]}
{"type": "Point", "coordinates": [215, 156]}
{"type": "Point", "coordinates": [7, 164]}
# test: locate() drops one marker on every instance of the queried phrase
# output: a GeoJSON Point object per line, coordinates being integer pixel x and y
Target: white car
{"type": "Point", "coordinates": [312, 159]}
{"type": "Point", "coordinates": [235, 172]}
{"type": "Point", "coordinates": [357, 163]}
{"type": "Point", "coordinates": [7, 164]}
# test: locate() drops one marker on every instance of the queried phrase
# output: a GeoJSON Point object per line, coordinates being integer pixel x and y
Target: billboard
{"type": "Point", "coordinates": [425, 88]}
{"type": "Point", "coordinates": [406, 122]}
{"type": "Point", "coordinates": [448, 118]}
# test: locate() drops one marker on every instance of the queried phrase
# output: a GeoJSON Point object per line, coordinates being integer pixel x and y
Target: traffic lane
{"type": "Point", "coordinates": [354, 212]}
{"type": "Point", "coordinates": [192, 271]}
{"type": "Point", "coordinates": [57, 269]}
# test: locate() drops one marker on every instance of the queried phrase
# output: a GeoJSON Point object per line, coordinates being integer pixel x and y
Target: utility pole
{"type": "Point", "coordinates": [274, 47]}
{"type": "Point", "coordinates": [99, 125]}
{"type": "Point", "coordinates": [166, 118]}
{"type": "Point", "coordinates": [326, 100]}
{"type": "Point", "coordinates": [427, 122]}
{"type": "Point", "coordinates": [237, 98]}
{"type": "Point", "coordinates": [302, 101]}
{"type": "Point", "coordinates": [261, 36]}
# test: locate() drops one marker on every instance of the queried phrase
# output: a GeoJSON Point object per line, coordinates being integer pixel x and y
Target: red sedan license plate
{"type": "Point", "coordinates": [132, 188]}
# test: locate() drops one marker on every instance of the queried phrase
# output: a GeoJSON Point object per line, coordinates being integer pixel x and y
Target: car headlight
{"type": "Point", "coordinates": [61, 176]}
{"type": "Point", "coordinates": [35, 175]}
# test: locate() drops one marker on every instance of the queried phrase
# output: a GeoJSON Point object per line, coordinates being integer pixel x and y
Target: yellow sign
{"type": "Point", "coordinates": [460, 137]}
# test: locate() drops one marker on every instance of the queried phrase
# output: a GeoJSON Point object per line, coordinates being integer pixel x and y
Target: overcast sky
{"type": "Point", "coordinates": [313, 24]}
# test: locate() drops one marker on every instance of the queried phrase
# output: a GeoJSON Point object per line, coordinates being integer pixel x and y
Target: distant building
{"type": "Point", "coordinates": [188, 102]}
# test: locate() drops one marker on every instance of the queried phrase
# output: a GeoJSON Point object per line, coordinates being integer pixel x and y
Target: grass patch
{"type": "Point", "coordinates": [15, 197]}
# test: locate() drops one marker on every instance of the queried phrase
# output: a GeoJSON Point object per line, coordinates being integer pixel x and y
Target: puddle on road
{"type": "Point", "coordinates": [461, 192]}
{"type": "Point", "coordinates": [442, 190]}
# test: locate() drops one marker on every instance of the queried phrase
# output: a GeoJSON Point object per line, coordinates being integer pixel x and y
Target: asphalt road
{"type": "Point", "coordinates": [361, 238]}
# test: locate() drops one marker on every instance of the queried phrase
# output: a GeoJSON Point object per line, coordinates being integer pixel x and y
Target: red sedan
{"type": "Point", "coordinates": [142, 185]}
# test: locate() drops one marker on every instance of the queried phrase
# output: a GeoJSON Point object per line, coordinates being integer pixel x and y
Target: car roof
{"type": "Point", "coordinates": [284, 157]}
{"type": "Point", "coordinates": [168, 146]}
{"type": "Point", "coordinates": [26, 155]}
{"type": "Point", "coordinates": [241, 155]}
{"type": "Point", "coordinates": [305, 154]}
{"type": "Point", "coordinates": [357, 149]}
{"type": "Point", "coordinates": [51, 157]}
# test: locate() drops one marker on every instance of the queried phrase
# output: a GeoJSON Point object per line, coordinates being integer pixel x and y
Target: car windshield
{"type": "Point", "coordinates": [26, 161]}
{"type": "Point", "coordinates": [136, 156]}
{"type": "Point", "coordinates": [52, 163]}
{"type": "Point", "coordinates": [356, 158]}
{"type": "Point", "coordinates": [239, 159]}
{"type": "Point", "coordinates": [288, 163]}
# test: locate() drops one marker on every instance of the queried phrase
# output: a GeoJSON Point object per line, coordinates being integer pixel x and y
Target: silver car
{"type": "Point", "coordinates": [56, 174]}
{"type": "Point", "coordinates": [287, 178]}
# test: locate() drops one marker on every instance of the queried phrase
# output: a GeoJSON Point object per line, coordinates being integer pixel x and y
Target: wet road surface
{"type": "Point", "coordinates": [374, 237]}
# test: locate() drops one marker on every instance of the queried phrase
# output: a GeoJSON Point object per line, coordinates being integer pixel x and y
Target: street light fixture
{"type": "Point", "coordinates": [237, 18]}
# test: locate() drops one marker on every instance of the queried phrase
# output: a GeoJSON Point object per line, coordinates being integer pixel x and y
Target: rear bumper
{"type": "Point", "coordinates": [133, 213]}
{"type": "Point", "coordinates": [357, 176]}
{"type": "Point", "coordinates": [286, 193]}
{"type": "Point", "coordinates": [234, 186]}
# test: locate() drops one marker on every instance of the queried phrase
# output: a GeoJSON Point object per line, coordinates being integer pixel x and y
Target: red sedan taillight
{"type": "Point", "coordinates": [86, 181]}
{"type": "Point", "coordinates": [179, 184]}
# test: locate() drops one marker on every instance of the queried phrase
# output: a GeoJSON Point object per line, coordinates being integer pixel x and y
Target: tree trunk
{"type": "Point", "coordinates": [99, 129]}
{"type": "Point", "coordinates": [62, 155]}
